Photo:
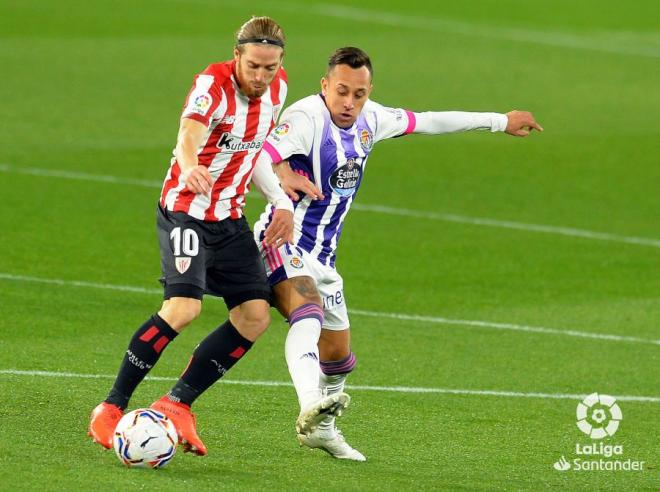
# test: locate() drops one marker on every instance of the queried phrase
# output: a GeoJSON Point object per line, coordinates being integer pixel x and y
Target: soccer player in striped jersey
{"type": "Point", "coordinates": [327, 138]}
{"type": "Point", "coordinates": [205, 242]}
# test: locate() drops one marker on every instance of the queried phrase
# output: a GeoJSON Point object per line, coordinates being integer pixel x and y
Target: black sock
{"type": "Point", "coordinates": [212, 358]}
{"type": "Point", "coordinates": [143, 352]}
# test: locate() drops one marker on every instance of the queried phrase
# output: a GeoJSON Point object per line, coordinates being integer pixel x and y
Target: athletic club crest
{"type": "Point", "coordinates": [182, 263]}
{"type": "Point", "coordinates": [366, 140]}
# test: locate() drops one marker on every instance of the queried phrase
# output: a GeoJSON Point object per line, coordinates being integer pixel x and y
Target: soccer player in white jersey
{"type": "Point", "coordinates": [205, 242]}
{"type": "Point", "coordinates": [327, 138]}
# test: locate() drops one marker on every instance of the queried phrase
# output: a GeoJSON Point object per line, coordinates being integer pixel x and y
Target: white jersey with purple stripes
{"type": "Point", "coordinates": [334, 159]}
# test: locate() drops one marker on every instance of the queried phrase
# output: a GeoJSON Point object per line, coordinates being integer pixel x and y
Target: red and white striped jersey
{"type": "Point", "coordinates": [237, 129]}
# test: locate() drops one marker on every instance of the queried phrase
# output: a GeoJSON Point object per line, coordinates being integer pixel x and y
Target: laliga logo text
{"type": "Point", "coordinates": [598, 416]}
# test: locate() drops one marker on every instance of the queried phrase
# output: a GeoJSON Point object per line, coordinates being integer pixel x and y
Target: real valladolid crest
{"type": "Point", "coordinates": [598, 416]}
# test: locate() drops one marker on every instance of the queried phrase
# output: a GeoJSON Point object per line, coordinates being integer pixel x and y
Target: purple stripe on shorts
{"type": "Point", "coordinates": [279, 275]}
{"type": "Point", "coordinates": [262, 234]}
{"type": "Point", "coordinates": [343, 366]}
{"type": "Point", "coordinates": [306, 311]}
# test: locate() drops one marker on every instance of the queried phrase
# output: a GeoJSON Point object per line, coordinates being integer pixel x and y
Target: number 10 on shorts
{"type": "Point", "coordinates": [186, 242]}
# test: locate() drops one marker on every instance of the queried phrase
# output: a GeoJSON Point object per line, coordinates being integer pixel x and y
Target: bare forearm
{"type": "Point", "coordinates": [191, 135]}
{"type": "Point", "coordinates": [186, 152]}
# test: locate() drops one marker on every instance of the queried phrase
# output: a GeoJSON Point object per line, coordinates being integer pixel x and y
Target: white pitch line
{"type": "Point", "coordinates": [361, 312]}
{"type": "Point", "coordinates": [617, 42]}
{"type": "Point", "coordinates": [79, 283]}
{"type": "Point", "coordinates": [506, 224]}
{"type": "Point", "coordinates": [503, 326]}
{"type": "Point", "coordinates": [387, 389]}
{"type": "Point", "coordinates": [362, 207]}
{"type": "Point", "coordinates": [80, 176]}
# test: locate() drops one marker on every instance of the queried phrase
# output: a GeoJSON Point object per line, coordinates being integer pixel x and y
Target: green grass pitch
{"type": "Point", "coordinates": [501, 266]}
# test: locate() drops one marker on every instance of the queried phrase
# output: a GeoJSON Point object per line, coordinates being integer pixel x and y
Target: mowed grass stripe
{"type": "Point", "coordinates": [361, 312]}
{"type": "Point", "coordinates": [388, 389]}
{"type": "Point", "coordinates": [374, 208]}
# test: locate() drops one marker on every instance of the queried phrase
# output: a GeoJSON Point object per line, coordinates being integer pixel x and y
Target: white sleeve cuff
{"type": "Point", "coordinates": [283, 203]}
{"type": "Point", "coordinates": [267, 183]}
{"type": "Point", "coordinates": [499, 122]}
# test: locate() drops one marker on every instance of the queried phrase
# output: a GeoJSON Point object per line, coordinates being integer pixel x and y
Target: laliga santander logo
{"type": "Point", "coordinates": [202, 102]}
{"type": "Point", "coordinates": [598, 416]}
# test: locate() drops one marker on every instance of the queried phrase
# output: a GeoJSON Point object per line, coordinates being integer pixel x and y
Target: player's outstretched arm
{"type": "Point", "coordinates": [292, 183]}
{"type": "Point", "coordinates": [521, 123]}
{"type": "Point", "coordinates": [518, 123]}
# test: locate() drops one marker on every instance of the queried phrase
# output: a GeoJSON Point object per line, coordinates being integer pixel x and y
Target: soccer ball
{"type": "Point", "coordinates": [145, 438]}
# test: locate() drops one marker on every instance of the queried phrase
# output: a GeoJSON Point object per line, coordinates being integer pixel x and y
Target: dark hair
{"type": "Point", "coordinates": [262, 30]}
{"type": "Point", "coordinates": [351, 56]}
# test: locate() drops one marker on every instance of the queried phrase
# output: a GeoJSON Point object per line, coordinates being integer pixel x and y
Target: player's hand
{"type": "Point", "coordinates": [280, 230]}
{"type": "Point", "coordinates": [521, 123]}
{"type": "Point", "coordinates": [198, 179]}
{"type": "Point", "coordinates": [292, 182]}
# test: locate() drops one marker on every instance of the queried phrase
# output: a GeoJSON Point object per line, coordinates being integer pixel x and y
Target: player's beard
{"type": "Point", "coordinates": [257, 92]}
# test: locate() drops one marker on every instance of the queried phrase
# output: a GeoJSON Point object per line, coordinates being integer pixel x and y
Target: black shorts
{"type": "Point", "coordinates": [217, 258]}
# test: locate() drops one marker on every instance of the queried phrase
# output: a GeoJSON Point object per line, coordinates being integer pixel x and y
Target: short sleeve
{"type": "Point", "coordinates": [391, 122]}
{"type": "Point", "coordinates": [294, 135]}
{"type": "Point", "coordinates": [203, 99]}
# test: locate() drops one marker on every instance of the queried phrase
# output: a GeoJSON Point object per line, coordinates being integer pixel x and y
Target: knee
{"type": "Point", "coordinates": [251, 321]}
{"type": "Point", "coordinates": [259, 321]}
{"type": "Point", "coordinates": [179, 312]}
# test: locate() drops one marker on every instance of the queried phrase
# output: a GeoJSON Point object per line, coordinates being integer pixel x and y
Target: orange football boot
{"type": "Point", "coordinates": [103, 422]}
{"type": "Point", "coordinates": [185, 423]}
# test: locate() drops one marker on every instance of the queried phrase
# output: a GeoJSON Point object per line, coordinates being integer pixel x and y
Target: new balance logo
{"type": "Point", "coordinates": [228, 143]}
{"type": "Point", "coordinates": [310, 355]}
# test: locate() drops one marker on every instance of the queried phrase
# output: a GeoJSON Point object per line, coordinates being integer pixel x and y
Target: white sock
{"type": "Point", "coordinates": [330, 385]}
{"type": "Point", "coordinates": [302, 356]}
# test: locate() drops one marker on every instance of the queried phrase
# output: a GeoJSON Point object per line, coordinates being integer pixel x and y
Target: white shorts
{"type": "Point", "coordinates": [290, 261]}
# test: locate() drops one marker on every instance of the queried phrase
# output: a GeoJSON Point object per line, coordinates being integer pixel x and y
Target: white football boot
{"type": "Point", "coordinates": [327, 406]}
{"type": "Point", "coordinates": [332, 442]}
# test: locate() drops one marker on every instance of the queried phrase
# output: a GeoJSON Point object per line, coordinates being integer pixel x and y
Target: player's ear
{"type": "Point", "coordinates": [324, 86]}
{"type": "Point", "coordinates": [237, 54]}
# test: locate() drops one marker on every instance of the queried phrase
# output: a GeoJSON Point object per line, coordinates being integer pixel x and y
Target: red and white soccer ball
{"type": "Point", "coordinates": [145, 438]}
